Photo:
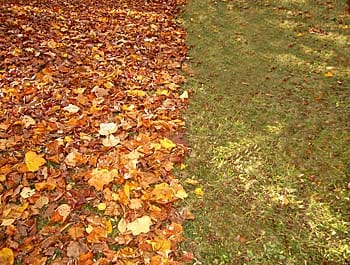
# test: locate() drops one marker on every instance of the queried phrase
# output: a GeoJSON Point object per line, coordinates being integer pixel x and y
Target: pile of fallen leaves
{"type": "Point", "coordinates": [90, 130]}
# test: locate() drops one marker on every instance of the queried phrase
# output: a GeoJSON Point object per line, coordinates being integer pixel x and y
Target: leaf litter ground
{"type": "Point", "coordinates": [90, 130]}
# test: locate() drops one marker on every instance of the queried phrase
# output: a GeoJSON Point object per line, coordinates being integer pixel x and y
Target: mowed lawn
{"type": "Point", "coordinates": [269, 128]}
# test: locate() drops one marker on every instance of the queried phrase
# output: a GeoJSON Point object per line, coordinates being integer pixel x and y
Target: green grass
{"type": "Point", "coordinates": [269, 126]}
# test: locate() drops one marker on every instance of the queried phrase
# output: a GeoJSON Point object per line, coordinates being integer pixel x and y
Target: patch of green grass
{"type": "Point", "coordinates": [270, 131]}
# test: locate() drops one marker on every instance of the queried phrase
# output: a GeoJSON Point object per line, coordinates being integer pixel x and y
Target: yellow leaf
{"type": "Point", "coordinates": [6, 256]}
{"type": "Point", "coordinates": [183, 166]}
{"type": "Point", "coordinates": [41, 202]}
{"type": "Point", "coordinates": [101, 206]}
{"type": "Point", "coordinates": [109, 226]}
{"type": "Point", "coordinates": [33, 161]}
{"type": "Point", "coordinates": [137, 93]}
{"type": "Point", "coordinates": [163, 193]}
{"type": "Point", "coordinates": [163, 92]}
{"type": "Point", "coordinates": [328, 74]}
{"type": "Point", "coordinates": [108, 85]}
{"type": "Point", "coordinates": [135, 204]}
{"type": "Point", "coordinates": [160, 245]}
{"type": "Point", "coordinates": [7, 222]}
{"type": "Point", "coordinates": [199, 191]}
{"type": "Point", "coordinates": [167, 143]}
{"type": "Point", "coordinates": [140, 225]}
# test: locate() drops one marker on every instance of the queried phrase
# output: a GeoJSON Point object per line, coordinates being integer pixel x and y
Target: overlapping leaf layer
{"type": "Point", "coordinates": [89, 132]}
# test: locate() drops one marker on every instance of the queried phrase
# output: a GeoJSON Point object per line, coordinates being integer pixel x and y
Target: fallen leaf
{"type": "Point", "coordinates": [73, 158]}
{"type": "Point", "coordinates": [33, 161]}
{"type": "Point", "coordinates": [167, 143]}
{"type": "Point", "coordinates": [101, 177]}
{"type": "Point", "coordinates": [71, 108]}
{"type": "Point", "coordinates": [28, 121]}
{"type": "Point", "coordinates": [27, 192]}
{"type": "Point", "coordinates": [110, 141]}
{"type": "Point", "coordinates": [108, 128]}
{"type": "Point", "coordinates": [11, 212]}
{"type": "Point", "coordinates": [122, 226]}
{"type": "Point", "coordinates": [135, 204]}
{"type": "Point", "coordinates": [108, 85]}
{"type": "Point", "coordinates": [101, 206]}
{"type": "Point", "coordinates": [199, 191]}
{"type": "Point", "coordinates": [64, 210]}
{"type": "Point", "coordinates": [6, 256]}
{"type": "Point", "coordinates": [41, 202]}
{"type": "Point", "coordinates": [73, 249]}
{"type": "Point", "coordinates": [140, 225]}
{"type": "Point", "coordinates": [76, 232]}
{"type": "Point", "coordinates": [184, 95]}
{"type": "Point", "coordinates": [328, 74]}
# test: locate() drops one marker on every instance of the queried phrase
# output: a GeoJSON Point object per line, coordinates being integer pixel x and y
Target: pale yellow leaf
{"type": "Point", "coordinates": [135, 204]}
{"type": "Point", "coordinates": [110, 141]}
{"type": "Point", "coordinates": [27, 192]}
{"type": "Point", "coordinates": [71, 108]}
{"type": "Point", "coordinates": [122, 225]}
{"type": "Point", "coordinates": [108, 128]}
{"type": "Point", "coordinates": [184, 95]}
{"type": "Point", "coordinates": [140, 225]}
{"type": "Point", "coordinates": [28, 121]}
{"type": "Point", "coordinates": [64, 210]}
{"type": "Point", "coordinates": [181, 194]}
{"type": "Point", "coordinates": [41, 202]}
{"type": "Point", "coordinates": [7, 222]}
{"type": "Point", "coordinates": [89, 229]}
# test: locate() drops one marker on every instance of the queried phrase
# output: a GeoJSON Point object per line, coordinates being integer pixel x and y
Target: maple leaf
{"type": "Point", "coordinates": [33, 161]}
